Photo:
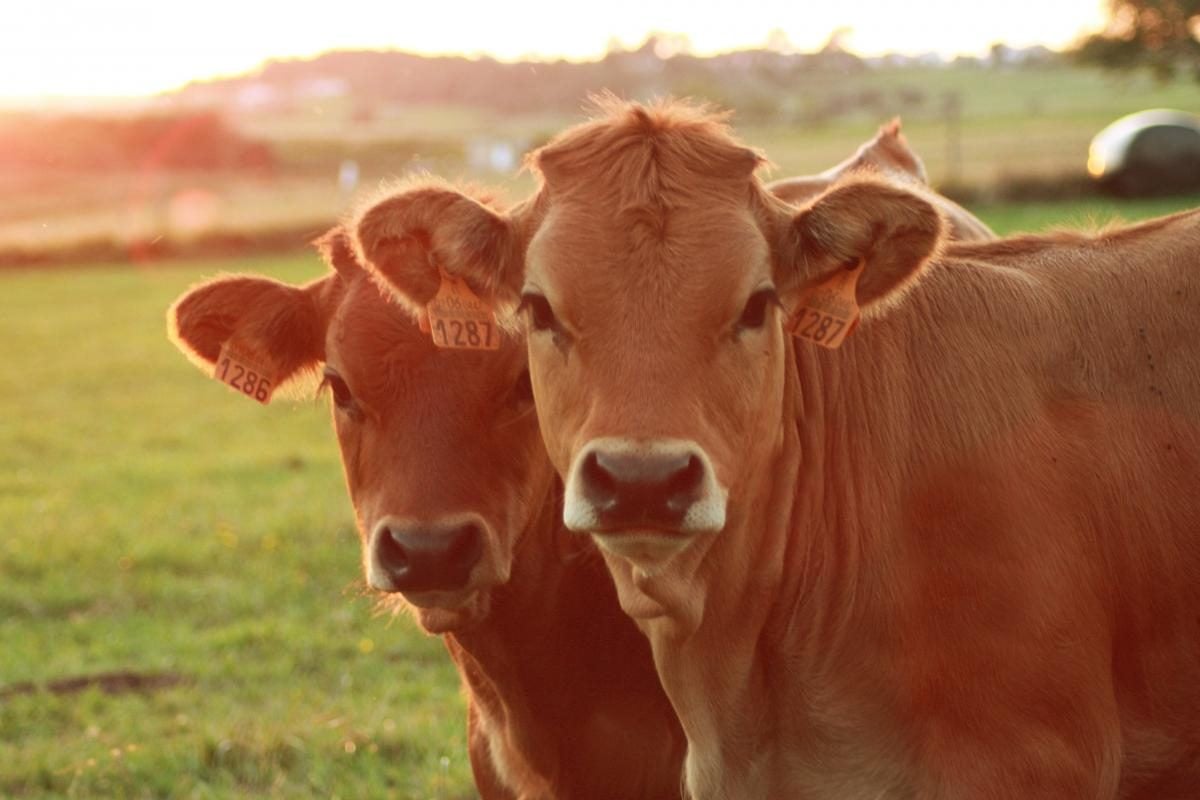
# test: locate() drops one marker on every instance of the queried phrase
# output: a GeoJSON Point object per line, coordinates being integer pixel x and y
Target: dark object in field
{"type": "Point", "coordinates": [1153, 152]}
{"type": "Point", "coordinates": [107, 682]}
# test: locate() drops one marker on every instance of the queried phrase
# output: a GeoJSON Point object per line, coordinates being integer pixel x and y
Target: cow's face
{"type": "Point", "coordinates": [654, 272]}
{"type": "Point", "coordinates": [441, 453]}
{"type": "Point", "coordinates": [888, 153]}
{"type": "Point", "coordinates": [440, 448]}
{"type": "Point", "coordinates": [657, 353]}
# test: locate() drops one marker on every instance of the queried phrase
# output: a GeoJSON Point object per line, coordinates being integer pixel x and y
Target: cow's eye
{"type": "Point", "coordinates": [537, 309]}
{"type": "Point", "coordinates": [755, 312]}
{"type": "Point", "coordinates": [342, 398]}
{"type": "Point", "coordinates": [522, 391]}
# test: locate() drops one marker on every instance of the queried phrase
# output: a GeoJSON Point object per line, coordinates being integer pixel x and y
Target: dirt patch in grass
{"type": "Point", "coordinates": [119, 682]}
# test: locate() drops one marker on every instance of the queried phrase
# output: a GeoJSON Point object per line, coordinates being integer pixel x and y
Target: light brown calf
{"type": "Point", "coordinates": [460, 513]}
{"type": "Point", "coordinates": [957, 558]}
{"type": "Point", "coordinates": [887, 154]}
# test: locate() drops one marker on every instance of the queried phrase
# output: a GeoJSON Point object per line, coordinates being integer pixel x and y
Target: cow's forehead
{"type": "Point", "coordinates": [370, 329]}
{"type": "Point", "coordinates": [703, 254]}
{"type": "Point", "coordinates": [382, 351]}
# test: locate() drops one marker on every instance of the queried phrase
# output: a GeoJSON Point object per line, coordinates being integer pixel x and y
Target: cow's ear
{"type": "Point", "coordinates": [889, 151]}
{"type": "Point", "coordinates": [893, 231]}
{"type": "Point", "coordinates": [406, 239]}
{"type": "Point", "coordinates": [277, 328]}
{"type": "Point", "coordinates": [337, 249]}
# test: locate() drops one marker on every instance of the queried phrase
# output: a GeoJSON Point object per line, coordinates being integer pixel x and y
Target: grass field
{"type": "Point", "coordinates": [155, 524]}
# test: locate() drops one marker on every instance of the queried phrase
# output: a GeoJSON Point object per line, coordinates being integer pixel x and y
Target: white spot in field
{"type": "Point", "coordinates": [193, 211]}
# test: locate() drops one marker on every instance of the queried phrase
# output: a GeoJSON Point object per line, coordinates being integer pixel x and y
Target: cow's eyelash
{"type": "Point", "coordinates": [754, 312]}
{"type": "Point", "coordinates": [343, 398]}
{"type": "Point", "coordinates": [536, 308]}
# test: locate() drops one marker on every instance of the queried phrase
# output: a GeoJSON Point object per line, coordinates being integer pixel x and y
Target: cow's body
{"type": "Point", "coordinates": [563, 700]}
{"type": "Point", "coordinates": [957, 558]}
{"type": "Point", "coordinates": [887, 153]}
{"type": "Point", "coordinates": [988, 583]}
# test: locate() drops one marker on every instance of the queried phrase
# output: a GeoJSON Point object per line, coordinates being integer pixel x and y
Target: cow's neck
{"type": "Point", "coordinates": [565, 677]}
{"type": "Point", "coordinates": [520, 618]}
{"type": "Point", "coordinates": [504, 660]}
{"type": "Point", "coordinates": [831, 489]}
{"type": "Point", "coordinates": [794, 524]}
{"type": "Point", "coordinates": [786, 568]}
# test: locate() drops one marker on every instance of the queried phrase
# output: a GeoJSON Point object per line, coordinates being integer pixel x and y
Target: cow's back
{"type": "Point", "coordinates": [1045, 475]}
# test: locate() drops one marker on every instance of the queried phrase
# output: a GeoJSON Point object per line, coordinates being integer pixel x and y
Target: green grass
{"type": "Point", "coordinates": [1012, 218]}
{"type": "Point", "coordinates": [155, 522]}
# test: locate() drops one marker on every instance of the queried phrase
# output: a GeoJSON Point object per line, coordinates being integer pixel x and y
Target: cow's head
{"type": "Point", "coordinates": [655, 274]}
{"type": "Point", "coordinates": [888, 152]}
{"type": "Point", "coordinates": [440, 447]}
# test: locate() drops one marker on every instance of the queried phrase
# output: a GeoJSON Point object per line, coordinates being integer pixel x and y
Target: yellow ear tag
{"type": "Point", "coordinates": [459, 320]}
{"type": "Point", "coordinates": [828, 311]}
{"type": "Point", "coordinates": [242, 374]}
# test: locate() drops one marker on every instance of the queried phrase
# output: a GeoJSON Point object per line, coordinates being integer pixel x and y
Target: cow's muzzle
{"type": "Point", "coordinates": [665, 486]}
{"type": "Point", "coordinates": [426, 557]}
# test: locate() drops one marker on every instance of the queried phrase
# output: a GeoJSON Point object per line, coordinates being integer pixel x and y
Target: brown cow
{"type": "Point", "coordinates": [958, 557]}
{"type": "Point", "coordinates": [460, 513]}
{"type": "Point", "coordinates": [888, 153]}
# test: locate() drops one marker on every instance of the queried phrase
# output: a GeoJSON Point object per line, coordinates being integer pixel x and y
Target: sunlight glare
{"type": "Point", "coordinates": [135, 47]}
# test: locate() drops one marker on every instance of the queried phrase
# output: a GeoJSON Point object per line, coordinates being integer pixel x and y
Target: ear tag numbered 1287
{"type": "Point", "coordinates": [459, 320]}
{"type": "Point", "coordinates": [244, 374]}
{"type": "Point", "coordinates": [828, 312]}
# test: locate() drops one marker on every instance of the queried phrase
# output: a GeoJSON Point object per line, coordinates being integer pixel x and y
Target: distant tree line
{"type": "Point", "coordinates": [1162, 36]}
{"type": "Point", "coordinates": [754, 81]}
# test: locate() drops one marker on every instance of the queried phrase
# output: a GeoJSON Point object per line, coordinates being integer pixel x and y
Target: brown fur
{"type": "Point", "coordinates": [562, 697]}
{"type": "Point", "coordinates": [961, 556]}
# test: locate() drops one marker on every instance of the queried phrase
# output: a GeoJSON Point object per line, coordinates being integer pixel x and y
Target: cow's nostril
{"type": "Point", "coordinates": [683, 488]}
{"type": "Point", "coordinates": [393, 555]}
{"type": "Point", "coordinates": [599, 484]}
{"type": "Point", "coordinates": [466, 546]}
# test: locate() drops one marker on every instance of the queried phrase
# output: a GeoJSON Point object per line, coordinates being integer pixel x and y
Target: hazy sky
{"type": "Point", "coordinates": [130, 47]}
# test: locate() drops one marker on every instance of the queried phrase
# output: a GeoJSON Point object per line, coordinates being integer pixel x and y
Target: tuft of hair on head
{"type": "Point", "coordinates": [624, 140]}
{"type": "Point", "coordinates": [337, 250]}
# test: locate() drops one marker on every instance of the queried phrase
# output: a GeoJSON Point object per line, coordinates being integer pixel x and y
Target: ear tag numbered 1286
{"type": "Point", "coordinates": [828, 312]}
{"type": "Point", "coordinates": [243, 374]}
{"type": "Point", "coordinates": [459, 320]}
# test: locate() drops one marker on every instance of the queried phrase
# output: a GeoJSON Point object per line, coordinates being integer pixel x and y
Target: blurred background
{"type": "Point", "coordinates": [181, 613]}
